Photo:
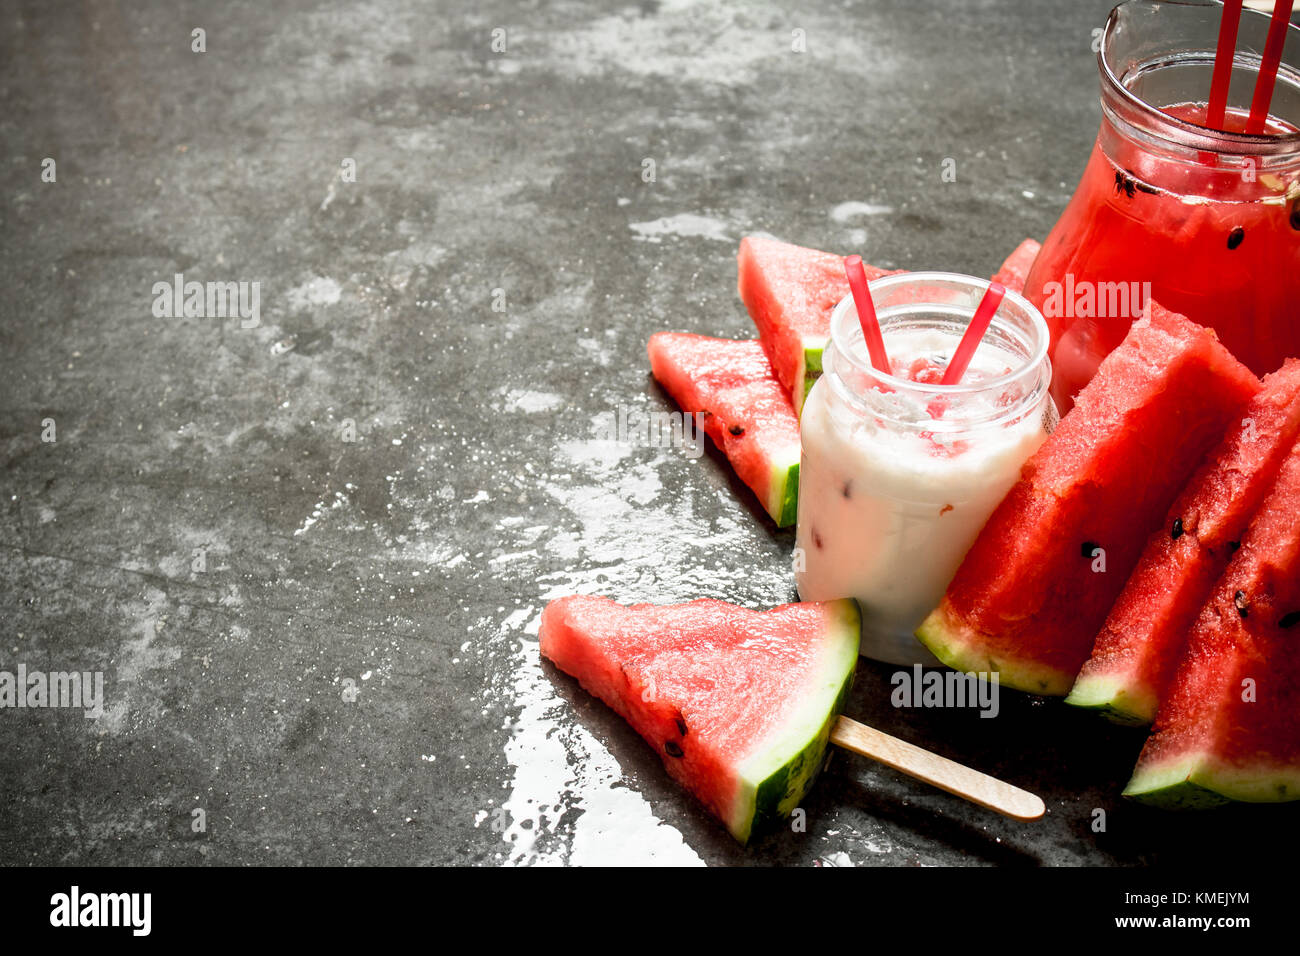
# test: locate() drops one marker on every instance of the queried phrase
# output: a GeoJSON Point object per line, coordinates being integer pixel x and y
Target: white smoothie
{"type": "Point", "coordinates": [893, 489]}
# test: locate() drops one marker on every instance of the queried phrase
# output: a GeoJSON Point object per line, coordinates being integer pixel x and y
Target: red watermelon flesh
{"type": "Point", "coordinates": [1137, 652]}
{"type": "Point", "coordinates": [738, 703]}
{"type": "Point", "coordinates": [744, 408]}
{"type": "Point", "coordinates": [1230, 726]}
{"type": "Point", "coordinates": [1035, 588]}
{"type": "Point", "coordinates": [790, 291]}
{"type": "Point", "coordinates": [1015, 270]}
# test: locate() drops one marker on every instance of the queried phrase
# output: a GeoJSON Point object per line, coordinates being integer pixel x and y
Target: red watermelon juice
{"type": "Point", "coordinates": [1205, 221]}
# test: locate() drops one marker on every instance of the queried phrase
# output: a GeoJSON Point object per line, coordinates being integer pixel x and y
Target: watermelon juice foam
{"type": "Point", "coordinates": [899, 474]}
{"type": "Point", "coordinates": [1205, 221]}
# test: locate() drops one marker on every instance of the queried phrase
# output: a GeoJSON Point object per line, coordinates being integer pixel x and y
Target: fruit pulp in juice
{"type": "Point", "coordinates": [1218, 241]}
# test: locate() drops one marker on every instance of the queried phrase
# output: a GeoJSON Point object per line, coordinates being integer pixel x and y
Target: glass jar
{"type": "Point", "coordinates": [899, 474]}
{"type": "Point", "coordinates": [1207, 222]}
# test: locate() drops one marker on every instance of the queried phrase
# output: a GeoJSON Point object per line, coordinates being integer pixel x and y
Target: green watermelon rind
{"type": "Point", "coordinates": [1115, 696]}
{"type": "Point", "coordinates": [1191, 782]}
{"type": "Point", "coordinates": [812, 356]}
{"type": "Point", "coordinates": [951, 642]}
{"type": "Point", "coordinates": [783, 495]}
{"type": "Point", "coordinates": [775, 780]}
{"type": "Point", "coordinates": [809, 370]}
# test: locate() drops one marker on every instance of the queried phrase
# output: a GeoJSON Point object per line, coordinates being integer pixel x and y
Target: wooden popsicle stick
{"type": "Point", "coordinates": [938, 771]}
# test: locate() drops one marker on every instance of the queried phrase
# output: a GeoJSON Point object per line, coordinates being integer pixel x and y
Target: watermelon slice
{"type": "Point", "coordinates": [1037, 584]}
{"type": "Point", "coordinates": [790, 292]}
{"type": "Point", "coordinates": [1230, 728]}
{"type": "Point", "coordinates": [745, 410]}
{"type": "Point", "coordinates": [738, 703]}
{"type": "Point", "coordinates": [1138, 649]}
{"type": "Point", "coordinates": [1016, 269]}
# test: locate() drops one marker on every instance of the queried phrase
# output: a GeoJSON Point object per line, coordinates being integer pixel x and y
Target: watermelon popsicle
{"type": "Point", "coordinates": [741, 704]}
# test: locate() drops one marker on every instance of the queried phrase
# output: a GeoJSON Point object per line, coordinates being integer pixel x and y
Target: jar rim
{"type": "Point", "coordinates": [841, 329]}
{"type": "Point", "coordinates": [1189, 134]}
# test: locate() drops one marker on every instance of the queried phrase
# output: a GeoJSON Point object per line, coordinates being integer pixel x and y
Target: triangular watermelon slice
{"type": "Point", "coordinates": [790, 291]}
{"type": "Point", "coordinates": [1037, 584]}
{"type": "Point", "coordinates": [1137, 652]}
{"type": "Point", "coordinates": [1015, 270]}
{"type": "Point", "coordinates": [745, 410]}
{"type": "Point", "coordinates": [738, 703]}
{"type": "Point", "coordinates": [1230, 727]}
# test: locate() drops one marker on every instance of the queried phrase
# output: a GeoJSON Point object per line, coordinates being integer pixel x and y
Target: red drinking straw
{"type": "Point", "coordinates": [1268, 65]}
{"type": "Point", "coordinates": [866, 313]}
{"type": "Point", "coordinates": [974, 334]}
{"type": "Point", "coordinates": [1223, 54]}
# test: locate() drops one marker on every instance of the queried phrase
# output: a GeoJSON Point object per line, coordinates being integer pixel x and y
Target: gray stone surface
{"type": "Point", "coordinates": [414, 561]}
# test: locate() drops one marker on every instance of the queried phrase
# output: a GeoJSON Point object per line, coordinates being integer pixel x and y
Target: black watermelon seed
{"type": "Point", "coordinates": [681, 726]}
{"type": "Point", "coordinates": [736, 430]}
{"type": "Point", "coordinates": [1177, 531]}
{"type": "Point", "coordinates": [1088, 547]}
{"type": "Point", "coordinates": [1243, 605]}
{"type": "Point", "coordinates": [1295, 215]}
{"type": "Point", "coordinates": [1233, 546]}
{"type": "Point", "coordinates": [1235, 237]}
{"type": "Point", "coordinates": [1289, 620]}
{"type": "Point", "coordinates": [673, 750]}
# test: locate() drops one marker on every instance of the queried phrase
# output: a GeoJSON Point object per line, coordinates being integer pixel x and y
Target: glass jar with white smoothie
{"type": "Point", "coordinates": [899, 472]}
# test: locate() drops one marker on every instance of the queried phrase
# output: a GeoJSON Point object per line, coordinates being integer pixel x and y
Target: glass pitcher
{"type": "Point", "coordinates": [1206, 222]}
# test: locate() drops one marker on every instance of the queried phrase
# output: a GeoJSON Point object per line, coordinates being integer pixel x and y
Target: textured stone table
{"type": "Point", "coordinates": [308, 548]}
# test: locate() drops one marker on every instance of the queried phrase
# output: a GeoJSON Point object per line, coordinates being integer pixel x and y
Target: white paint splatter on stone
{"type": "Point", "coordinates": [684, 225]}
{"type": "Point", "coordinates": [136, 656]}
{"type": "Point", "coordinates": [319, 290]}
{"type": "Point", "coordinates": [530, 401]}
{"type": "Point", "coordinates": [853, 209]}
